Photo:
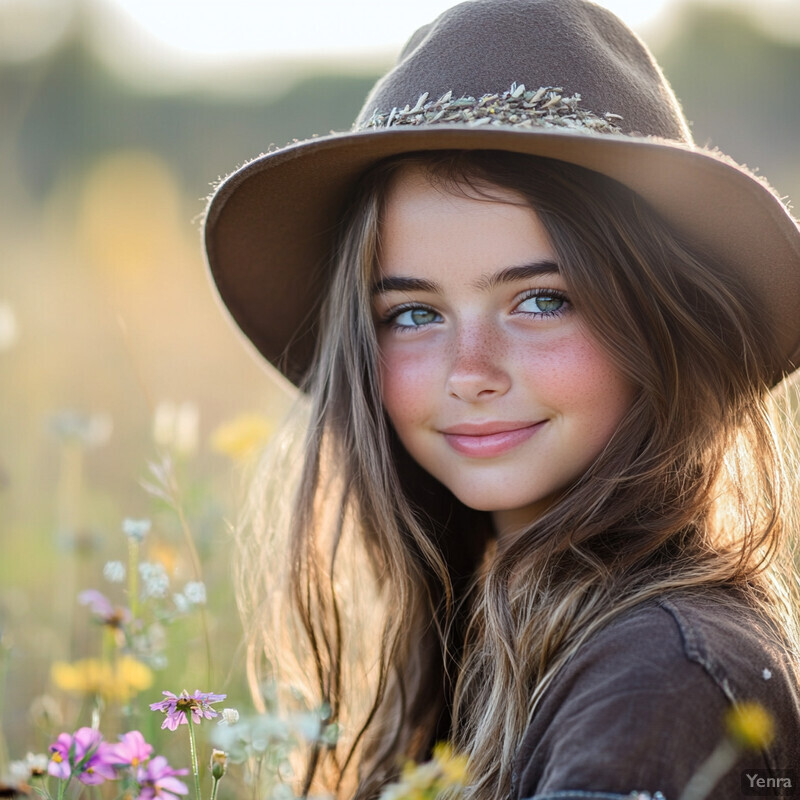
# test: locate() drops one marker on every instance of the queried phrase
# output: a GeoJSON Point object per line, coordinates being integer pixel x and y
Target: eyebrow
{"type": "Point", "coordinates": [484, 283]}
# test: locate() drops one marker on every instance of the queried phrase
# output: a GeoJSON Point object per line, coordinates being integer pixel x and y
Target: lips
{"type": "Point", "coordinates": [489, 439]}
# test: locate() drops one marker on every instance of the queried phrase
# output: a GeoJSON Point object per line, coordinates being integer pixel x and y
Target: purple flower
{"type": "Point", "coordinates": [101, 607]}
{"type": "Point", "coordinates": [132, 751]}
{"type": "Point", "coordinates": [60, 766]}
{"type": "Point", "coordinates": [176, 707]}
{"type": "Point", "coordinates": [84, 755]}
{"type": "Point", "coordinates": [158, 779]}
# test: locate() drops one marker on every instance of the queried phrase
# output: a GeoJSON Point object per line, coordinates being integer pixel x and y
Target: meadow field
{"type": "Point", "coordinates": [131, 410]}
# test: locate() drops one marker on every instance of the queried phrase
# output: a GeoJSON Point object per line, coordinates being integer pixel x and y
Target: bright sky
{"type": "Point", "coordinates": [164, 43]}
{"type": "Point", "coordinates": [318, 27]}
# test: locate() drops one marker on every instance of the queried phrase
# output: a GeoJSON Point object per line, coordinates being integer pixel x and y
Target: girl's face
{"type": "Point", "coordinates": [489, 377]}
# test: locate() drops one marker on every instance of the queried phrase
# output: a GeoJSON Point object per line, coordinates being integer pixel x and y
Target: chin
{"type": "Point", "coordinates": [482, 501]}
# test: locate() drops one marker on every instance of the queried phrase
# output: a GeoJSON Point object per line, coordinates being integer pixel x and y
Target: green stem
{"type": "Point", "coordinates": [133, 576]}
{"type": "Point", "coordinates": [196, 567]}
{"type": "Point", "coordinates": [193, 748]}
{"type": "Point", "coordinates": [62, 787]}
{"type": "Point", "coordinates": [214, 789]}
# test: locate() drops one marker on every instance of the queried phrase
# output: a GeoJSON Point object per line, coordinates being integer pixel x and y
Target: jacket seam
{"type": "Point", "coordinates": [695, 649]}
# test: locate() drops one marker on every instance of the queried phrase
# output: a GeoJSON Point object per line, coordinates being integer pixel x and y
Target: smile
{"type": "Point", "coordinates": [492, 439]}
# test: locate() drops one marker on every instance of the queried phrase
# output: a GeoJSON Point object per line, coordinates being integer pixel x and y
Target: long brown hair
{"type": "Point", "coordinates": [688, 495]}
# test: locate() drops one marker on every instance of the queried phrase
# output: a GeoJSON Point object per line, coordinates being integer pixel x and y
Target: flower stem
{"type": "Point", "coordinates": [193, 749]}
{"type": "Point", "coordinates": [714, 768]}
{"type": "Point", "coordinates": [214, 789]}
{"type": "Point", "coordinates": [133, 576]}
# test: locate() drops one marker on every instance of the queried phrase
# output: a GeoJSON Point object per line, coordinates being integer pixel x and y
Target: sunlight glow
{"type": "Point", "coordinates": [314, 27]}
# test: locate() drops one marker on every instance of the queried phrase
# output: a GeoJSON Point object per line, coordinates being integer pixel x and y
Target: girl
{"type": "Point", "coordinates": [542, 511]}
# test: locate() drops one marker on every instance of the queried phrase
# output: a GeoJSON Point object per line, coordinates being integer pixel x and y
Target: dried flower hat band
{"type": "Point", "coordinates": [517, 107]}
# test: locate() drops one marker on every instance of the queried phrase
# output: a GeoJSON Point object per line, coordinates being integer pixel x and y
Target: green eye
{"type": "Point", "coordinates": [415, 317]}
{"type": "Point", "coordinates": [544, 303]}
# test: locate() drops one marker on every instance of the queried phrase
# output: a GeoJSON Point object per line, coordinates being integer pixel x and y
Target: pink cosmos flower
{"type": "Point", "coordinates": [132, 751]}
{"type": "Point", "coordinates": [101, 607]}
{"type": "Point", "coordinates": [157, 780]}
{"type": "Point", "coordinates": [84, 755]}
{"type": "Point", "coordinates": [177, 706]}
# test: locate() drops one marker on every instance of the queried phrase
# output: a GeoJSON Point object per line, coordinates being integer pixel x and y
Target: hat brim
{"type": "Point", "coordinates": [269, 226]}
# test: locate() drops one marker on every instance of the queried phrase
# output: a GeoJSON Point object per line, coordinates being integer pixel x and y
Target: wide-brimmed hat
{"type": "Point", "coordinates": [563, 79]}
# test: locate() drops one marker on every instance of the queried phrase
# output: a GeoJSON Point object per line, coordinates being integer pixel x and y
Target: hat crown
{"type": "Point", "coordinates": [482, 47]}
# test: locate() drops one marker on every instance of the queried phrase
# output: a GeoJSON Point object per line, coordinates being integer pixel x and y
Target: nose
{"type": "Point", "coordinates": [477, 371]}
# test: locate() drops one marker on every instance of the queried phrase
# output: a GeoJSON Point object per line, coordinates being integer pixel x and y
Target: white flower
{"type": "Point", "coordinates": [26, 768]}
{"type": "Point", "coordinates": [114, 571]}
{"type": "Point", "coordinates": [230, 716]}
{"type": "Point", "coordinates": [195, 592]}
{"type": "Point", "coordinates": [90, 430]}
{"type": "Point", "coordinates": [182, 605]}
{"type": "Point", "coordinates": [136, 529]}
{"type": "Point", "coordinates": [177, 426]}
{"type": "Point", "coordinates": [156, 580]}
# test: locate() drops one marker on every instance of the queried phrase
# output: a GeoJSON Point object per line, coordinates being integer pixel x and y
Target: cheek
{"type": "Point", "coordinates": [582, 380]}
{"type": "Point", "coordinates": [407, 382]}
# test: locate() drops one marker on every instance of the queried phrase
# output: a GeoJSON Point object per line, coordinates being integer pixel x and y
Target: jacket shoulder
{"type": "Point", "coordinates": [642, 703]}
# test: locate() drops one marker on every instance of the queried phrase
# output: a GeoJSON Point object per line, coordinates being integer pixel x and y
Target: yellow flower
{"type": "Point", "coordinates": [445, 775]}
{"type": "Point", "coordinates": [750, 725]}
{"type": "Point", "coordinates": [453, 765]}
{"type": "Point", "coordinates": [242, 436]}
{"type": "Point", "coordinates": [131, 676]}
{"type": "Point", "coordinates": [118, 682]}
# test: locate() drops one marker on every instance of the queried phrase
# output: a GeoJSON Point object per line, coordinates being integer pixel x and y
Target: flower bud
{"type": "Point", "coordinates": [219, 763]}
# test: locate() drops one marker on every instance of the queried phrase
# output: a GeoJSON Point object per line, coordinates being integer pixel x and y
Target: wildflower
{"type": "Point", "coordinates": [149, 645]}
{"type": "Point", "coordinates": [132, 751]}
{"type": "Point", "coordinates": [84, 755]}
{"type": "Point", "coordinates": [177, 426]}
{"type": "Point", "coordinates": [90, 430]}
{"type": "Point", "coordinates": [445, 773]}
{"type": "Point", "coordinates": [32, 766]}
{"type": "Point", "coordinates": [136, 529]}
{"type": "Point", "coordinates": [453, 765]}
{"type": "Point", "coordinates": [117, 682]}
{"type": "Point", "coordinates": [114, 571]}
{"type": "Point", "coordinates": [156, 580]}
{"type": "Point", "coordinates": [104, 612]}
{"type": "Point", "coordinates": [230, 716]}
{"type": "Point", "coordinates": [195, 592]}
{"type": "Point", "coordinates": [131, 676]}
{"type": "Point", "coordinates": [157, 779]}
{"type": "Point", "coordinates": [219, 763]}
{"type": "Point", "coordinates": [176, 707]}
{"type": "Point", "coordinates": [750, 725]}
{"type": "Point", "coordinates": [242, 436]}
{"type": "Point", "coordinates": [182, 605]}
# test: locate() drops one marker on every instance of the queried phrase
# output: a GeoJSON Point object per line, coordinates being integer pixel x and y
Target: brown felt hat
{"type": "Point", "coordinates": [564, 79]}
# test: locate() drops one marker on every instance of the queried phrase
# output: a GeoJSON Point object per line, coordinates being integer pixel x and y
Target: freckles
{"type": "Point", "coordinates": [574, 372]}
{"type": "Point", "coordinates": [479, 349]}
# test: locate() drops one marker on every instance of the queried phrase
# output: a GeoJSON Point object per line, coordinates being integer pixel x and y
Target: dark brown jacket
{"type": "Point", "coordinates": [641, 705]}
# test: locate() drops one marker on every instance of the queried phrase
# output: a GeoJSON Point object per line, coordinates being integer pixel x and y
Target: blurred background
{"type": "Point", "coordinates": [116, 117]}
